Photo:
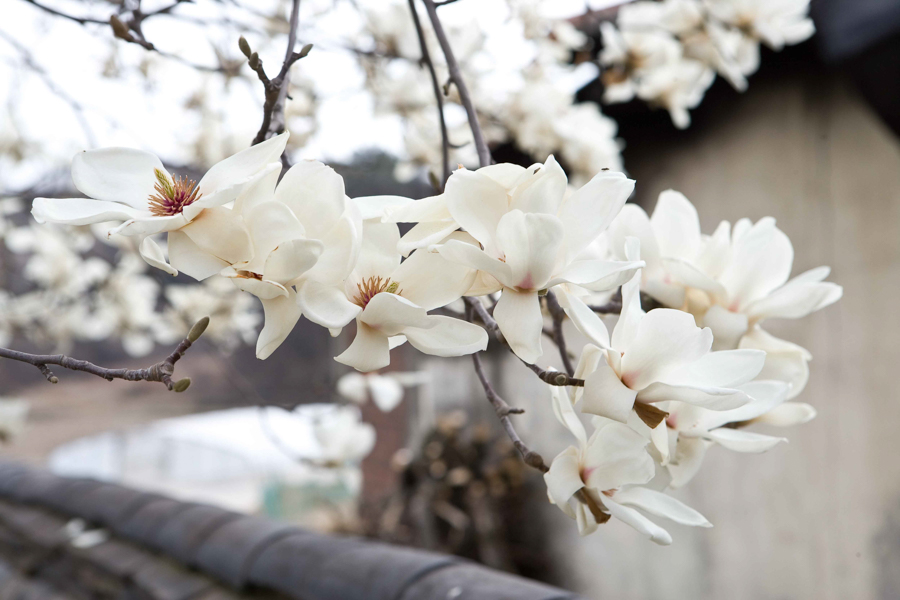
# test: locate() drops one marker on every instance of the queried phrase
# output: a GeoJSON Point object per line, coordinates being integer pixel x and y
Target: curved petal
{"type": "Point", "coordinates": [713, 398]}
{"type": "Point", "coordinates": [233, 191]}
{"type": "Point", "coordinates": [260, 189]}
{"type": "Point", "coordinates": [149, 226]}
{"type": "Point", "coordinates": [292, 259]}
{"type": "Point", "coordinates": [447, 336]}
{"type": "Point", "coordinates": [764, 396]}
{"type": "Point", "coordinates": [795, 300]}
{"type": "Point", "coordinates": [378, 256]}
{"type": "Point", "coordinates": [188, 258]}
{"type": "Point", "coordinates": [426, 210]}
{"type": "Point", "coordinates": [743, 441]}
{"type": "Point", "coordinates": [531, 243]}
{"type": "Point", "coordinates": [392, 314]}
{"type": "Point", "coordinates": [426, 234]}
{"type": "Point", "coordinates": [471, 256]}
{"type": "Point", "coordinates": [519, 316]}
{"type": "Point", "coordinates": [631, 315]}
{"type": "Point", "coordinates": [666, 339]}
{"type": "Point", "coordinates": [689, 275]}
{"type": "Point", "coordinates": [689, 453]}
{"type": "Point", "coordinates": [676, 225]}
{"type": "Point", "coordinates": [315, 193]}
{"type": "Point", "coordinates": [661, 505]}
{"type": "Point", "coordinates": [565, 413]}
{"type": "Point", "coordinates": [585, 320]}
{"type": "Point", "coordinates": [431, 281]}
{"type": "Point", "coordinates": [368, 352]}
{"type": "Point", "coordinates": [153, 256]}
{"type": "Point", "coordinates": [633, 518]}
{"type": "Point", "coordinates": [221, 232]}
{"type": "Point", "coordinates": [761, 262]}
{"type": "Point", "coordinates": [605, 394]}
{"type": "Point", "coordinates": [588, 273]}
{"type": "Point", "coordinates": [784, 361]}
{"type": "Point", "coordinates": [282, 313]}
{"type": "Point", "coordinates": [477, 203]}
{"type": "Point", "coordinates": [726, 368]}
{"type": "Point", "coordinates": [727, 327]}
{"type": "Point", "coordinates": [375, 207]}
{"type": "Point", "coordinates": [341, 251]}
{"type": "Point", "coordinates": [386, 392]}
{"type": "Point", "coordinates": [261, 288]}
{"type": "Point", "coordinates": [117, 175]}
{"type": "Point", "coordinates": [82, 211]}
{"type": "Point", "coordinates": [616, 455]}
{"type": "Point", "coordinates": [788, 414]}
{"type": "Point", "coordinates": [506, 174]}
{"type": "Point", "coordinates": [326, 305]}
{"type": "Point", "coordinates": [244, 165]}
{"type": "Point", "coordinates": [541, 192]}
{"type": "Point", "coordinates": [590, 210]}
{"type": "Point", "coordinates": [564, 477]}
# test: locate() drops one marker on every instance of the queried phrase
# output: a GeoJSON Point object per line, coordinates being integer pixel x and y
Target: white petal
{"type": "Point", "coordinates": [392, 314]}
{"type": "Point", "coordinates": [631, 315]}
{"type": "Point", "coordinates": [326, 305]}
{"type": "Point", "coordinates": [795, 300]}
{"type": "Point", "coordinates": [564, 479]}
{"type": "Point", "coordinates": [788, 414]}
{"type": "Point", "coordinates": [151, 225]}
{"type": "Point", "coordinates": [727, 368]}
{"type": "Point", "coordinates": [117, 175]}
{"type": "Point", "coordinates": [188, 258]}
{"type": "Point", "coordinates": [616, 455]}
{"type": "Point", "coordinates": [243, 166]}
{"type": "Point", "coordinates": [378, 256]}
{"type": "Point", "coordinates": [761, 262]}
{"type": "Point", "coordinates": [743, 441]}
{"type": "Point", "coordinates": [666, 339]}
{"type": "Point", "coordinates": [519, 316]}
{"type": "Point", "coordinates": [471, 256]}
{"type": "Point", "coordinates": [82, 211]}
{"type": "Point", "coordinates": [221, 232]}
{"type": "Point", "coordinates": [368, 352]}
{"type": "Point", "coordinates": [689, 275]}
{"type": "Point", "coordinates": [431, 281]}
{"type": "Point", "coordinates": [341, 250]}
{"type": "Point", "coordinates": [282, 313]}
{"type": "Point", "coordinates": [426, 234]}
{"type": "Point", "coordinates": [386, 392]}
{"type": "Point", "coordinates": [676, 225]}
{"type": "Point", "coordinates": [426, 210]}
{"type": "Point", "coordinates": [590, 210]}
{"type": "Point", "coordinates": [661, 505]}
{"type": "Point", "coordinates": [784, 361]}
{"type": "Point", "coordinates": [477, 203]}
{"type": "Point", "coordinates": [713, 398]}
{"type": "Point", "coordinates": [585, 320]}
{"type": "Point", "coordinates": [635, 519]}
{"type": "Point", "coordinates": [269, 224]}
{"type": "Point", "coordinates": [315, 193]}
{"type": "Point", "coordinates": [727, 326]}
{"type": "Point", "coordinates": [375, 207]}
{"type": "Point", "coordinates": [606, 395]}
{"type": "Point", "coordinates": [565, 413]}
{"type": "Point", "coordinates": [632, 221]}
{"type": "Point", "coordinates": [506, 174]}
{"type": "Point", "coordinates": [446, 336]}
{"type": "Point", "coordinates": [531, 243]}
{"type": "Point", "coordinates": [689, 453]}
{"type": "Point", "coordinates": [764, 397]}
{"type": "Point", "coordinates": [292, 259]}
{"type": "Point", "coordinates": [258, 190]}
{"type": "Point", "coordinates": [354, 387]}
{"type": "Point", "coordinates": [541, 192]}
{"type": "Point", "coordinates": [589, 273]}
{"type": "Point", "coordinates": [261, 288]}
{"type": "Point", "coordinates": [153, 256]}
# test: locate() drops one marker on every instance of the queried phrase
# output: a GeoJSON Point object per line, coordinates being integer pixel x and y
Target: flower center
{"type": "Point", "coordinates": [368, 288]}
{"type": "Point", "coordinates": [172, 195]}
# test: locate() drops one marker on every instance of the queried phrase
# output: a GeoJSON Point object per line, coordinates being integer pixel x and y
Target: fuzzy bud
{"type": "Point", "coordinates": [182, 384]}
{"type": "Point", "coordinates": [198, 329]}
{"type": "Point", "coordinates": [244, 46]}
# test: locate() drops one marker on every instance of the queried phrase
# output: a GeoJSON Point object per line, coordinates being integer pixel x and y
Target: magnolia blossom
{"type": "Point", "coordinates": [531, 236]}
{"type": "Point", "coordinates": [385, 391]}
{"type": "Point", "coordinates": [392, 300]}
{"type": "Point", "coordinates": [692, 430]}
{"type": "Point", "coordinates": [608, 469]}
{"type": "Point", "coordinates": [123, 184]}
{"type": "Point", "coordinates": [775, 22]}
{"type": "Point", "coordinates": [654, 357]}
{"type": "Point", "coordinates": [342, 436]}
{"type": "Point", "coordinates": [731, 281]}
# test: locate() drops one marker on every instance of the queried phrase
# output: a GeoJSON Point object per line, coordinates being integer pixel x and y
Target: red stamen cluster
{"type": "Point", "coordinates": [172, 195]}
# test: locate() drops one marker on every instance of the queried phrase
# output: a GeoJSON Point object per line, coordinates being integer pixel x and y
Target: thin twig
{"type": "Point", "coordinates": [161, 371]}
{"type": "Point", "coordinates": [484, 154]}
{"type": "Point", "coordinates": [486, 318]}
{"type": "Point", "coordinates": [435, 84]}
{"type": "Point", "coordinates": [53, 11]}
{"type": "Point", "coordinates": [559, 315]}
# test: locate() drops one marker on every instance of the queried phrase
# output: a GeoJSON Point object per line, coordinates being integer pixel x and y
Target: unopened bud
{"type": "Point", "coordinates": [305, 50]}
{"type": "Point", "coordinates": [244, 46]}
{"type": "Point", "coordinates": [54, 379]}
{"type": "Point", "coordinates": [198, 329]}
{"type": "Point", "coordinates": [561, 379]}
{"type": "Point", "coordinates": [254, 61]}
{"type": "Point", "coordinates": [182, 384]}
{"type": "Point", "coordinates": [120, 29]}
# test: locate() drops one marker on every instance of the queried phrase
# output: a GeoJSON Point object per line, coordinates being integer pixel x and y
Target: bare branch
{"type": "Point", "coordinates": [53, 11]}
{"type": "Point", "coordinates": [436, 86]}
{"type": "Point", "coordinates": [484, 154]}
{"type": "Point", "coordinates": [559, 315]}
{"type": "Point", "coordinates": [161, 371]}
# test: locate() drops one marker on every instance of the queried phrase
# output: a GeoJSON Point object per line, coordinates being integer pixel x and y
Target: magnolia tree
{"type": "Point", "coordinates": [676, 358]}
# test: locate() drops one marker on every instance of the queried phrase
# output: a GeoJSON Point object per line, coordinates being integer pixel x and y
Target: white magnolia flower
{"type": "Point", "coordinates": [342, 436]}
{"type": "Point", "coordinates": [630, 56]}
{"type": "Point", "coordinates": [655, 357]}
{"type": "Point", "coordinates": [532, 237]}
{"type": "Point", "coordinates": [731, 280]}
{"type": "Point", "coordinates": [303, 238]}
{"type": "Point", "coordinates": [392, 300]}
{"type": "Point", "coordinates": [123, 184]}
{"type": "Point", "coordinates": [692, 429]}
{"type": "Point", "coordinates": [776, 22]}
{"type": "Point", "coordinates": [609, 469]}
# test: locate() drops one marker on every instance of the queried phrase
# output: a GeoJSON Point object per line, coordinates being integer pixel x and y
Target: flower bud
{"type": "Point", "coordinates": [198, 329]}
{"type": "Point", "coordinates": [182, 384]}
{"type": "Point", "coordinates": [244, 46]}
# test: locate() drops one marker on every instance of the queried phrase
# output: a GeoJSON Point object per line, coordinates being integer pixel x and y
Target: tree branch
{"type": "Point", "coordinates": [436, 86]}
{"type": "Point", "coordinates": [484, 154]}
{"type": "Point", "coordinates": [559, 315]}
{"type": "Point", "coordinates": [161, 371]}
